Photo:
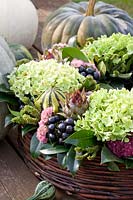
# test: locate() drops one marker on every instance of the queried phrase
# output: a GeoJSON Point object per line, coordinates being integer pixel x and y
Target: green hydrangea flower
{"type": "Point", "coordinates": [110, 114]}
{"type": "Point", "coordinates": [34, 78]}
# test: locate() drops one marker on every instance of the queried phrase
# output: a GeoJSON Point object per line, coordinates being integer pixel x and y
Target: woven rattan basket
{"type": "Point", "coordinates": [91, 182]}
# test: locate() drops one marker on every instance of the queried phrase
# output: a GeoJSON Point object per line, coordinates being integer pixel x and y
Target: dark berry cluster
{"type": "Point", "coordinates": [59, 129]}
{"type": "Point", "coordinates": [86, 71]}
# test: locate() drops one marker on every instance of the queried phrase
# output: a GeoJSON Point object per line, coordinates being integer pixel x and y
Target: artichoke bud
{"type": "Point", "coordinates": [76, 104]}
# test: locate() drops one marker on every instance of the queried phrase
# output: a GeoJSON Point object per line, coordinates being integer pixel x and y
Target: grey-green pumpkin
{"type": "Point", "coordinates": [7, 63]}
{"type": "Point", "coordinates": [3, 113]}
{"type": "Point", "coordinates": [7, 59]}
{"type": "Point", "coordinates": [84, 20]}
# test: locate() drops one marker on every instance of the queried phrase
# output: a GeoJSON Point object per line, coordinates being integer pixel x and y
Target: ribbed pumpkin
{"type": "Point", "coordinates": [84, 20]}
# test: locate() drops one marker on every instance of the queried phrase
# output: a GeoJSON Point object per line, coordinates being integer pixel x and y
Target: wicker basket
{"type": "Point", "coordinates": [91, 182]}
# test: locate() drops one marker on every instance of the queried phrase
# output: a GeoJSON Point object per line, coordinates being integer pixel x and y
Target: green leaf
{"type": "Point", "coordinates": [117, 84]}
{"type": "Point", "coordinates": [48, 157]}
{"type": "Point", "coordinates": [112, 166]}
{"type": "Point", "coordinates": [8, 99]}
{"type": "Point", "coordinates": [130, 158]}
{"type": "Point", "coordinates": [8, 120]}
{"type": "Point", "coordinates": [89, 83]}
{"type": "Point", "coordinates": [35, 146]}
{"type": "Point", "coordinates": [83, 139]}
{"type": "Point", "coordinates": [54, 150]}
{"type": "Point", "coordinates": [72, 52]}
{"type": "Point", "coordinates": [129, 163]}
{"type": "Point", "coordinates": [122, 76]}
{"type": "Point", "coordinates": [102, 68]}
{"type": "Point", "coordinates": [61, 158]}
{"type": "Point", "coordinates": [108, 156]}
{"type": "Point", "coordinates": [4, 89]}
{"type": "Point", "coordinates": [105, 86]}
{"type": "Point", "coordinates": [27, 128]}
{"type": "Point", "coordinates": [14, 113]}
{"type": "Point", "coordinates": [130, 48]}
{"type": "Point", "coordinates": [72, 163]}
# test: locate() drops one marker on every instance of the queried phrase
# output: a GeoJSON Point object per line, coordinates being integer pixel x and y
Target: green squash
{"type": "Point", "coordinates": [84, 20]}
{"type": "Point", "coordinates": [44, 190]}
{"type": "Point", "coordinates": [20, 52]}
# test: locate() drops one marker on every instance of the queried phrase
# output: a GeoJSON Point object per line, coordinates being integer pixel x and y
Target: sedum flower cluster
{"type": "Point", "coordinates": [120, 148]}
{"type": "Point", "coordinates": [110, 115]}
{"type": "Point", "coordinates": [34, 78]}
{"type": "Point", "coordinates": [42, 129]}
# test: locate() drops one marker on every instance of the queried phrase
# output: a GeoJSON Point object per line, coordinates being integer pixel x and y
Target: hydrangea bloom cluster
{"type": "Point", "coordinates": [42, 129]}
{"type": "Point", "coordinates": [110, 115]}
{"type": "Point", "coordinates": [34, 78]}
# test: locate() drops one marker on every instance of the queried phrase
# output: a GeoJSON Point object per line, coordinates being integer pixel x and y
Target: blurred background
{"type": "Point", "coordinates": [126, 5]}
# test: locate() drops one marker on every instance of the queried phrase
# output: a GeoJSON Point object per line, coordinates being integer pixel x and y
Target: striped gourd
{"type": "Point", "coordinates": [53, 98]}
{"type": "Point", "coordinates": [44, 190]}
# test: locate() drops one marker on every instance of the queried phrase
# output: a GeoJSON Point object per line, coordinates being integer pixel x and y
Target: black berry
{"type": "Point", "coordinates": [96, 76]}
{"type": "Point", "coordinates": [62, 127]}
{"type": "Point", "coordinates": [81, 69]}
{"type": "Point", "coordinates": [90, 70]}
{"type": "Point", "coordinates": [69, 129]}
{"type": "Point", "coordinates": [52, 120]}
{"type": "Point", "coordinates": [51, 127]}
{"type": "Point", "coordinates": [69, 121]}
{"type": "Point", "coordinates": [51, 137]}
{"type": "Point", "coordinates": [84, 74]}
{"type": "Point", "coordinates": [64, 135]}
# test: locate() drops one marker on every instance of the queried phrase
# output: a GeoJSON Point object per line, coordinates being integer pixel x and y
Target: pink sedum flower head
{"type": "Point", "coordinates": [45, 114]}
{"type": "Point", "coordinates": [121, 149]}
{"type": "Point", "coordinates": [41, 133]}
{"type": "Point", "coordinates": [42, 129]}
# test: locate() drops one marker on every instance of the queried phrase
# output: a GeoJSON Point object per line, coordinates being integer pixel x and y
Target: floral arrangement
{"type": "Point", "coordinates": [76, 103]}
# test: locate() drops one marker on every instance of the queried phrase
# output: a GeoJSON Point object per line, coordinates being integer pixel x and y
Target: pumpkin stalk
{"type": "Point", "coordinates": [90, 8]}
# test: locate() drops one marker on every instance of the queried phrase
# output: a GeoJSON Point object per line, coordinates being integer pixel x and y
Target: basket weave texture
{"type": "Point", "coordinates": [91, 182]}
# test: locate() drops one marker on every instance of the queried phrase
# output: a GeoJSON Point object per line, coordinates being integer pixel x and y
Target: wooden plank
{"type": "Point", "coordinates": [49, 5]}
{"type": "Point", "coordinates": [16, 178]}
{"type": "Point", "coordinates": [3, 193]}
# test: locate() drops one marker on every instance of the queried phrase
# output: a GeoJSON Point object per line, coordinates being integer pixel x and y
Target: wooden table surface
{"type": "Point", "coordinates": [16, 180]}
